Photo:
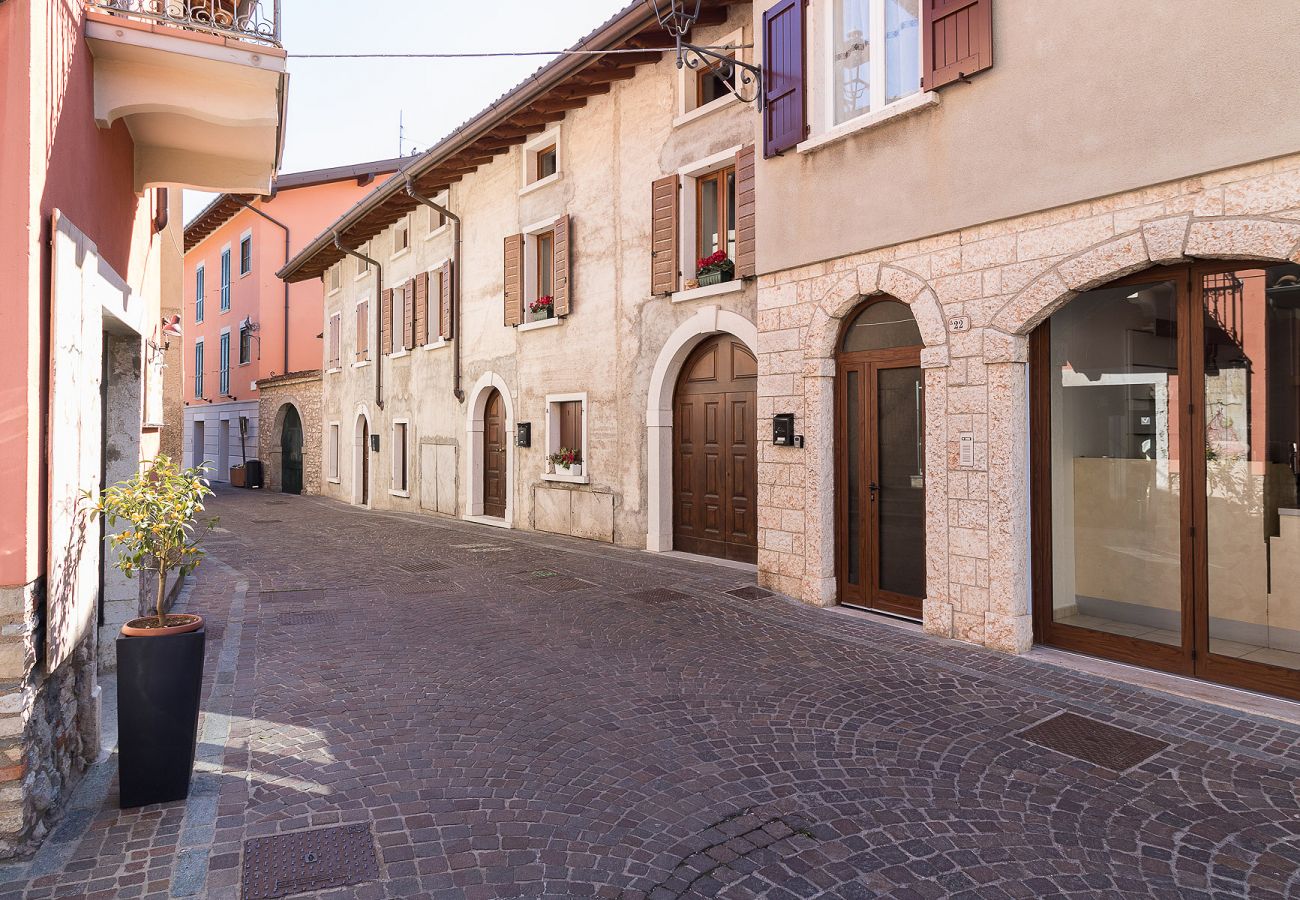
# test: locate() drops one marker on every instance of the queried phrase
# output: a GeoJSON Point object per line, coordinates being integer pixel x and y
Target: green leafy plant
{"type": "Point", "coordinates": [159, 507]}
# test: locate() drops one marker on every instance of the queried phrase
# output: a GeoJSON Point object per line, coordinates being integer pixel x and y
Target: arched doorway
{"type": "Point", "coordinates": [361, 462]}
{"type": "Point", "coordinates": [1166, 466]}
{"type": "Point", "coordinates": [880, 460]}
{"type": "Point", "coordinates": [495, 463]}
{"type": "Point", "coordinates": [291, 452]}
{"type": "Point", "coordinates": [715, 479]}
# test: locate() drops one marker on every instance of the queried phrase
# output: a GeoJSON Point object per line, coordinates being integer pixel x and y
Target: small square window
{"type": "Point", "coordinates": [335, 272]}
{"type": "Point", "coordinates": [401, 235]}
{"type": "Point", "coordinates": [541, 159]}
{"type": "Point", "coordinates": [547, 163]}
{"type": "Point", "coordinates": [245, 254]}
{"type": "Point", "coordinates": [710, 84]}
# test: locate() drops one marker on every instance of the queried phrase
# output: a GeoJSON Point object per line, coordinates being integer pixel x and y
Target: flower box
{"type": "Point", "coordinates": [715, 278]}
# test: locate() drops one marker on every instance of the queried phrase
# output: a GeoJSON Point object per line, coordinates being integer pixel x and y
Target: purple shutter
{"type": "Point", "coordinates": [785, 113]}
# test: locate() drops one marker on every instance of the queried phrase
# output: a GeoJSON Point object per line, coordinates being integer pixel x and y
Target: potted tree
{"type": "Point", "coordinates": [159, 656]}
{"type": "Point", "coordinates": [714, 269]}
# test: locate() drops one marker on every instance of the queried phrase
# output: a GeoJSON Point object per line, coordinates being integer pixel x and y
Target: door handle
{"type": "Point", "coordinates": [873, 487]}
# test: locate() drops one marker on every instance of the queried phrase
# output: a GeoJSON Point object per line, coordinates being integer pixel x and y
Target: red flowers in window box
{"type": "Point", "coordinates": [715, 268]}
{"type": "Point", "coordinates": [542, 307]}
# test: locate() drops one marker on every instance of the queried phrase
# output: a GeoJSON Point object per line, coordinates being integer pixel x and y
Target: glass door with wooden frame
{"type": "Point", "coordinates": [880, 462]}
{"type": "Point", "coordinates": [1165, 411]}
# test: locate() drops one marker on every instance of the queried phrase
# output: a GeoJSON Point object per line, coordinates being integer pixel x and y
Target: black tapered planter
{"type": "Point", "coordinates": [159, 682]}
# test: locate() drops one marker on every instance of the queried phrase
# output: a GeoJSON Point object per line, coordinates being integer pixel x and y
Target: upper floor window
{"type": "Point", "coordinates": [542, 159]}
{"type": "Point", "coordinates": [715, 218]}
{"type": "Point", "coordinates": [875, 55]}
{"type": "Point", "coordinates": [402, 235]}
{"type": "Point", "coordinates": [544, 260]}
{"type": "Point", "coordinates": [224, 359]}
{"type": "Point", "coordinates": [199, 288]}
{"type": "Point", "coordinates": [225, 279]}
{"type": "Point", "coordinates": [198, 368]}
{"type": "Point", "coordinates": [546, 163]}
{"type": "Point", "coordinates": [335, 345]}
{"type": "Point", "coordinates": [245, 344]}
{"type": "Point", "coordinates": [335, 274]}
{"type": "Point", "coordinates": [245, 254]}
{"type": "Point", "coordinates": [363, 331]}
{"type": "Point", "coordinates": [710, 84]}
{"type": "Point", "coordinates": [437, 221]}
{"type": "Point", "coordinates": [398, 320]}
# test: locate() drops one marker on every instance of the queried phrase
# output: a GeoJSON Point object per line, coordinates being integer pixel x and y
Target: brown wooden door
{"type": "Point", "coordinates": [365, 463]}
{"type": "Point", "coordinates": [881, 481]}
{"type": "Point", "coordinates": [715, 477]}
{"type": "Point", "coordinates": [494, 456]}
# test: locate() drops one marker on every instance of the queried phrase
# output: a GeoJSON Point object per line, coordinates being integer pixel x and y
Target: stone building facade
{"type": "Point", "coordinates": [283, 399]}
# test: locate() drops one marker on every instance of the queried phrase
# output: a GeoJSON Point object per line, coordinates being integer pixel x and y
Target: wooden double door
{"type": "Point", "coordinates": [715, 478]}
{"type": "Point", "coordinates": [495, 469]}
{"type": "Point", "coordinates": [880, 483]}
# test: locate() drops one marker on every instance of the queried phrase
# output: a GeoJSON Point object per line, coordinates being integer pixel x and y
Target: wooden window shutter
{"type": "Point", "coordinates": [444, 301]}
{"type": "Point", "coordinates": [514, 279]}
{"type": "Point", "coordinates": [664, 219]}
{"type": "Point", "coordinates": [745, 212]}
{"type": "Point", "coordinates": [386, 321]}
{"type": "Point", "coordinates": [785, 109]}
{"type": "Point", "coordinates": [560, 267]}
{"type": "Point", "coordinates": [957, 38]}
{"type": "Point", "coordinates": [363, 331]}
{"type": "Point", "coordinates": [421, 309]}
{"type": "Point", "coordinates": [408, 317]}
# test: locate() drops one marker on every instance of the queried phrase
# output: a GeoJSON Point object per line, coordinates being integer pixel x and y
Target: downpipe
{"type": "Point", "coordinates": [379, 311]}
{"type": "Point", "coordinates": [455, 282]}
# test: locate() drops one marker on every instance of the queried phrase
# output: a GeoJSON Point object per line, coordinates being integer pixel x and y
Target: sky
{"type": "Point", "coordinates": [344, 111]}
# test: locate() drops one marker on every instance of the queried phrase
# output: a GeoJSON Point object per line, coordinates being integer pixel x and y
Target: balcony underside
{"type": "Point", "coordinates": [206, 112]}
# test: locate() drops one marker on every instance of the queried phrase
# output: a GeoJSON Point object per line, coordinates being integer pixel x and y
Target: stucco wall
{"type": "Point", "coordinates": [1006, 276]}
{"type": "Point", "coordinates": [610, 152]}
{"type": "Point", "coordinates": [1079, 98]}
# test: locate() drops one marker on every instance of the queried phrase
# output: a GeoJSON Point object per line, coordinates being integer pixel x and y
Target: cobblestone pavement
{"type": "Point", "coordinates": [508, 714]}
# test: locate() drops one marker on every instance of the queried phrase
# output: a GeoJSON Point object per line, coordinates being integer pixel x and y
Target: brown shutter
{"type": "Point", "coordinates": [957, 38]}
{"type": "Point", "coordinates": [408, 318]}
{"type": "Point", "coordinates": [663, 234]}
{"type": "Point", "coordinates": [422, 309]}
{"type": "Point", "coordinates": [514, 282]}
{"type": "Point", "coordinates": [560, 267]}
{"type": "Point", "coordinates": [785, 104]}
{"type": "Point", "coordinates": [363, 331]}
{"type": "Point", "coordinates": [444, 301]}
{"type": "Point", "coordinates": [745, 211]}
{"type": "Point", "coordinates": [386, 321]}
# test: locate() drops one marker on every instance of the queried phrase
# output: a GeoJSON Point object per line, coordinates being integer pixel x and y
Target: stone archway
{"type": "Point", "coordinates": [272, 443]}
{"type": "Point", "coordinates": [708, 321]}
{"type": "Point", "coordinates": [475, 409]}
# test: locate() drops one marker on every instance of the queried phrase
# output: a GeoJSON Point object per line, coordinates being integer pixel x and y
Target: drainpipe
{"type": "Point", "coordinates": [285, 228]}
{"type": "Point", "coordinates": [379, 312]}
{"type": "Point", "coordinates": [455, 281]}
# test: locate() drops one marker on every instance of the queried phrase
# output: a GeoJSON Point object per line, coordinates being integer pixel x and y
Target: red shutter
{"type": "Point", "coordinates": [785, 110]}
{"type": "Point", "coordinates": [957, 38]}
{"type": "Point", "coordinates": [386, 321]}
{"type": "Point", "coordinates": [444, 300]}
{"type": "Point", "coordinates": [514, 282]}
{"type": "Point", "coordinates": [663, 234]}
{"type": "Point", "coordinates": [560, 265]}
{"type": "Point", "coordinates": [422, 309]}
{"type": "Point", "coordinates": [745, 211]}
{"type": "Point", "coordinates": [408, 316]}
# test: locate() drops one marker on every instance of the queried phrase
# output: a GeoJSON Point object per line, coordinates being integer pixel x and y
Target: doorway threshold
{"type": "Point", "coordinates": [1179, 685]}
{"type": "Point", "coordinates": [488, 520]}
{"type": "Point", "coordinates": [872, 615]}
{"type": "Point", "coordinates": [751, 568]}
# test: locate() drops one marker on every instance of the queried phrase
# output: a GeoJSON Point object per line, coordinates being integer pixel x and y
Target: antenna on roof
{"type": "Point", "coordinates": [401, 131]}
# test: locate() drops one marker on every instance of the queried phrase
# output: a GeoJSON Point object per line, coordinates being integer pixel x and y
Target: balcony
{"type": "Point", "coordinates": [200, 84]}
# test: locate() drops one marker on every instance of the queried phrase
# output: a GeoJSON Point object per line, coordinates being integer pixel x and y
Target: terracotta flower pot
{"type": "Point", "coordinates": [177, 623]}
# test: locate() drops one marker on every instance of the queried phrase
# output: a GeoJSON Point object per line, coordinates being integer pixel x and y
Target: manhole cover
{"type": "Point", "coordinates": [304, 861]}
{"type": "Point", "coordinates": [305, 595]}
{"type": "Point", "coordinates": [1093, 741]}
{"type": "Point", "coordinates": [658, 595]}
{"type": "Point", "coordinates": [429, 567]}
{"type": "Point", "coordinates": [749, 592]}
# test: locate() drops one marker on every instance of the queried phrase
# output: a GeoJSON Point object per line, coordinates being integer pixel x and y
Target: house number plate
{"type": "Point", "coordinates": [959, 324]}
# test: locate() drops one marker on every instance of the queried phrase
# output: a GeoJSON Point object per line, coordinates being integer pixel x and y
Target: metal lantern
{"type": "Point", "coordinates": [677, 16]}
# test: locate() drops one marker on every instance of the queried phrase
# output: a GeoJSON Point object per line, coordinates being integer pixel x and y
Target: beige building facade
{"type": "Point", "coordinates": [1042, 348]}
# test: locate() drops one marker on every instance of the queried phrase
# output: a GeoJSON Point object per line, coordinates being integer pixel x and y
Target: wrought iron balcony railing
{"type": "Point", "coordinates": [255, 20]}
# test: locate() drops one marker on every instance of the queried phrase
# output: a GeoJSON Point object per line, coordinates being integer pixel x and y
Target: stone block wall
{"type": "Point", "coordinates": [302, 390]}
{"type": "Point", "coordinates": [1006, 277]}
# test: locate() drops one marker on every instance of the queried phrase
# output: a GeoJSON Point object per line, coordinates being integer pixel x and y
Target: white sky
{"type": "Point", "coordinates": [344, 111]}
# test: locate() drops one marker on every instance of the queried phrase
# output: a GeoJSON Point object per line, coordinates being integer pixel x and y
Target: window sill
{"type": "Point", "coordinates": [540, 183]}
{"type": "Point", "coordinates": [393, 493]}
{"type": "Point", "coordinates": [540, 323]}
{"type": "Point", "coordinates": [701, 111]}
{"type": "Point", "coordinates": [335, 370]}
{"type": "Point", "coordinates": [437, 345]}
{"type": "Point", "coordinates": [361, 365]}
{"type": "Point", "coordinates": [334, 480]}
{"type": "Point", "coordinates": [566, 479]}
{"type": "Point", "coordinates": [896, 110]}
{"type": "Point", "coordinates": [398, 354]}
{"type": "Point", "coordinates": [405, 251]}
{"type": "Point", "coordinates": [437, 231]}
{"type": "Point", "coordinates": [709, 290]}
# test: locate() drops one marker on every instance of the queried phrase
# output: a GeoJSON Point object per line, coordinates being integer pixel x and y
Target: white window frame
{"type": "Point", "coordinates": [402, 229]}
{"type": "Point", "coordinates": [432, 337]}
{"type": "Point", "coordinates": [393, 489]}
{"type": "Point", "coordinates": [200, 291]}
{"type": "Point", "coordinates": [246, 236]}
{"type": "Point", "coordinates": [223, 365]}
{"type": "Point", "coordinates": [335, 326]}
{"type": "Point", "coordinates": [239, 346]}
{"type": "Point", "coordinates": [335, 278]}
{"type": "Point", "coordinates": [528, 161]}
{"type": "Point", "coordinates": [687, 79]}
{"type": "Point", "coordinates": [333, 437]}
{"type": "Point", "coordinates": [227, 286]}
{"type": "Point", "coordinates": [399, 322]}
{"type": "Point", "coordinates": [356, 334]}
{"type": "Point", "coordinates": [529, 279]}
{"type": "Point", "coordinates": [689, 175]}
{"type": "Point", "coordinates": [199, 365]}
{"type": "Point", "coordinates": [443, 199]}
{"type": "Point", "coordinates": [553, 436]}
{"type": "Point", "coordinates": [363, 267]}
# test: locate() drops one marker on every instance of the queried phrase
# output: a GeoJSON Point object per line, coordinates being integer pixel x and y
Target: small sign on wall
{"type": "Point", "coordinates": [959, 324]}
{"type": "Point", "coordinates": [966, 449]}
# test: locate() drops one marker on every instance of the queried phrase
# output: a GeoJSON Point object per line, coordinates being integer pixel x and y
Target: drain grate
{"type": "Point", "coordinates": [301, 595]}
{"type": "Point", "coordinates": [749, 592]}
{"type": "Point", "coordinates": [658, 595]}
{"type": "Point", "coordinates": [428, 567]}
{"type": "Point", "coordinates": [1092, 741]}
{"type": "Point", "coordinates": [267, 521]}
{"type": "Point", "coordinates": [305, 861]}
{"type": "Point", "coordinates": [307, 618]}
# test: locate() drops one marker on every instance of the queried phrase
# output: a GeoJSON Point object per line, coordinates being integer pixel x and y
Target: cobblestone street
{"type": "Point", "coordinates": [509, 714]}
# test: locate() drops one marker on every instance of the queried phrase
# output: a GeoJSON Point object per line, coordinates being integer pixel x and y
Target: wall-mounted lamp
{"type": "Point", "coordinates": [677, 17]}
